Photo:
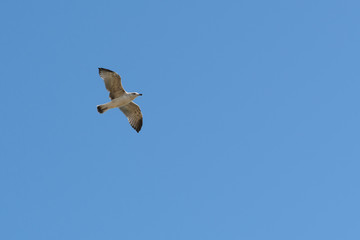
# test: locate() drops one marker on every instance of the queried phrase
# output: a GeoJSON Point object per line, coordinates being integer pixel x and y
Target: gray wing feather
{"type": "Point", "coordinates": [112, 82]}
{"type": "Point", "coordinates": [133, 113]}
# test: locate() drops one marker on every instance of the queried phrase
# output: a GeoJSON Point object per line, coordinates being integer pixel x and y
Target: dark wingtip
{"type": "Point", "coordinates": [104, 69]}
{"type": "Point", "coordinates": [139, 126]}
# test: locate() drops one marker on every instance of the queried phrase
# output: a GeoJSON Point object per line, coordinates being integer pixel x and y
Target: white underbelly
{"type": "Point", "coordinates": [119, 102]}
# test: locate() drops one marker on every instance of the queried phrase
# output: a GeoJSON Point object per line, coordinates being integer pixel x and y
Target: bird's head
{"type": "Point", "coordinates": [135, 95]}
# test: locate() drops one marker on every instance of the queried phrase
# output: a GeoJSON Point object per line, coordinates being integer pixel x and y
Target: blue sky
{"type": "Point", "coordinates": [251, 120]}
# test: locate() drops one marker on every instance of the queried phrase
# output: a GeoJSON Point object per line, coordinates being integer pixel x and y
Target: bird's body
{"type": "Point", "coordinates": [121, 101]}
{"type": "Point", "coordinates": [120, 98]}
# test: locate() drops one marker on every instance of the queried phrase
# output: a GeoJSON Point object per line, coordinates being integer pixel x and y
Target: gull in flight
{"type": "Point", "coordinates": [120, 99]}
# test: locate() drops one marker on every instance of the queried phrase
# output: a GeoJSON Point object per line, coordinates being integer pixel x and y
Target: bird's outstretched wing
{"type": "Point", "coordinates": [112, 82]}
{"type": "Point", "coordinates": [133, 114]}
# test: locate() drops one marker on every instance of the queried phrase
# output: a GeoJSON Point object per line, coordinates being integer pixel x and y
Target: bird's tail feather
{"type": "Point", "coordinates": [101, 108]}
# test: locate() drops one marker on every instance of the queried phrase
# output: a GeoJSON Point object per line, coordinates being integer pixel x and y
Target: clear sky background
{"type": "Point", "coordinates": [251, 120]}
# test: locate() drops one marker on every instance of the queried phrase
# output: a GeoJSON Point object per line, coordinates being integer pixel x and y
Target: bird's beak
{"type": "Point", "coordinates": [140, 94]}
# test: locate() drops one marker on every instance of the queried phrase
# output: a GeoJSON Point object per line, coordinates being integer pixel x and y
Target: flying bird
{"type": "Point", "coordinates": [120, 98]}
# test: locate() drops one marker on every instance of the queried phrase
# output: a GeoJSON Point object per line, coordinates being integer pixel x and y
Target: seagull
{"type": "Point", "coordinates": [120, 98]}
